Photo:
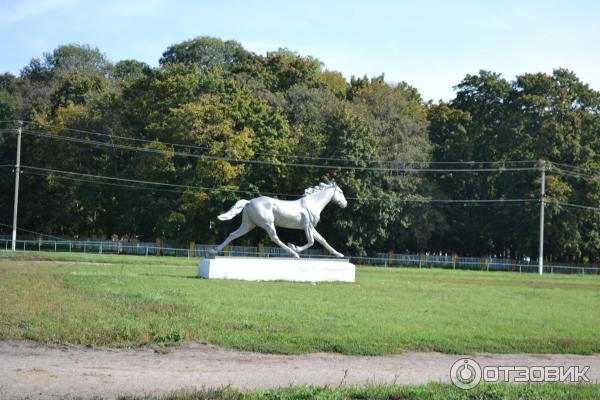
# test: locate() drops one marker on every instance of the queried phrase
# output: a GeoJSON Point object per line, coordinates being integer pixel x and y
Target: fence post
{"type": "Point", "coordinates": [158, 243]}
{"type": "Point", "coordinates": [84, 246]}
{"type": "Point", "coordinates": [55, 246]}
{"type": "Point", "coordinates": [261, 249]}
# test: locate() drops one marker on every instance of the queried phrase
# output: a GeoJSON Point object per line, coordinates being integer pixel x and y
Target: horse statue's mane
{"type": "Point", "coordinates": [319, 188]}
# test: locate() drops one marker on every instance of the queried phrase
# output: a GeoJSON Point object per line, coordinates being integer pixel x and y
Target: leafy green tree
{"type": "Point", "coordinates": [36, 71]}
{"type": "Point", "coordinates": [126, 69]}
{"type": "Point", "coordinates": [8, 107]}
{"type": "Point", "coordinates": [552, 115]}
{"type": "Point", "coordinates": [76, 88]}
{"type": "Point", "coordinates": [206, 52]}
{"type": "Point", "coordinates": [536, 117]}
{"type": "Point", "coordinates": [77, 58]}
{"type": "Point", "coordinates": [7, 82]}
{"type": "Point", "coordinates": [398, 120]}
{"type": "Point", "coordinates": [67, 59]}
{"type": "Point", "coordinates": [334, 82]}
{"type": "Point", "coordinates": [282, 69]}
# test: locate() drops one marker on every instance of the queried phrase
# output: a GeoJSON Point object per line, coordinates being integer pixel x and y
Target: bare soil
{"type": "Point", "coordinates": [32, 370]}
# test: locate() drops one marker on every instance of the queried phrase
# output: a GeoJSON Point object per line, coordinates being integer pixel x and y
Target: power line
{"type": "Point", "coordinates": [277, 164]}
{"type": "Point", "coordinates": [473, 203]}
{"type": "Point", "coordinates": [10, 120]}
{"type": "Point", "coordinates": [517, 203]}
{"type": "Point", "coordinates": [478, 200]}
{"type": "Point", "coordinates": [108, 183]}
{"type": "Point", "coordinates": [572, 173]}
{"type": "Point", "coordinates": [36, 233]}
{"type": "Point", "coordinates": [187, 146]}
{"type": "Point", "coordinates": [440, 202]}
{"type": "Point", "coordinates": [583, 170]}
{"type": "Point", "coordinates": [456, 201]}
{"type": "Point", "coordinates": [560, 203]}
{"type": "Point", "coordinates": [151, 182]}
{"type": "Point", "coordinates": [112, 136]}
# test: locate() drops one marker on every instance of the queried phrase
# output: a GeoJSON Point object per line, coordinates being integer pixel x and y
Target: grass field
{"type": "Point", "coordinates": [431, 391]}
{"type": "Point", "coordinates": [131, 301]}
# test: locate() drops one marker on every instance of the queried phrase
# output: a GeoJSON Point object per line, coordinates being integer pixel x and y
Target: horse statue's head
{"type": "Point", "coordinates": [337, 195]}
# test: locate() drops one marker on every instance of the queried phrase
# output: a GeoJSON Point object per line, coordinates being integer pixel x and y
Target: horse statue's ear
{"type": "Point", "coordinates": [333, 183]}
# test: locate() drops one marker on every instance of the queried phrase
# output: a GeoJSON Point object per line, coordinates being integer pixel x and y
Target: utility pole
{"type": "Point", "coordinates": [542, 194]}
{"type": "Point", "coordinates": [17, 175]}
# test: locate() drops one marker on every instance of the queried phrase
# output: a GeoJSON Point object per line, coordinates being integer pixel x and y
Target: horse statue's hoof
{"type": "Point", "coordinates": [212, 253]}
{"type": "Point", "coordinates": [339, 255]}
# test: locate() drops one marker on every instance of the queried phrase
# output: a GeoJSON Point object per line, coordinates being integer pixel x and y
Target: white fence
{"type": "Point", "coordinates": [382, 259]}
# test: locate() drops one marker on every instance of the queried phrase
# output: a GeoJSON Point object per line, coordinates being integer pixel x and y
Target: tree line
{"type": "Point", "coordinates": [211, 103]}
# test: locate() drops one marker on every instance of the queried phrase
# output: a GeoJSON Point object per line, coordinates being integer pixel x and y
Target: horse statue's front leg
{"type": "Point", "coordinates": [321, 240]}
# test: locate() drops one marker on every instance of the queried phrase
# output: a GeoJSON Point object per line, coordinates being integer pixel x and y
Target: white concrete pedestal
{"type": "Point", "coordinates": [277, 269]}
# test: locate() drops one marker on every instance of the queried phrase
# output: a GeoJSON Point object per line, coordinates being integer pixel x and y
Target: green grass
{"type": "Point", "coordinates": [132, 301]}
{"type": "Point", "coordinates": [431, 391]}
{"type": "Point", "coordinates": [96, 258]}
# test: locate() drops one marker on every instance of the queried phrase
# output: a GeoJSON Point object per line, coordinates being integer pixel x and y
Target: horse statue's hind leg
{"type": "Point", "coordinates": [309, 237]}
{"type": "Point", "coordinates": [273, 235]}
{"type": "Point", "coordinates": [247, 226]}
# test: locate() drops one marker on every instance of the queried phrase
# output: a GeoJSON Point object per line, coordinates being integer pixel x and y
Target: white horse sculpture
{"type": "Point", "coordinates": [304, 213]}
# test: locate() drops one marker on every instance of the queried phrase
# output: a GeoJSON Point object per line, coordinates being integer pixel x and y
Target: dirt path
{"type": "Point", "coordinates": [39, 371]}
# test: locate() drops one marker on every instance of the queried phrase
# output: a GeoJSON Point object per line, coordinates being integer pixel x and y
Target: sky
{"type": "Point", "coordinates": [431, 45]}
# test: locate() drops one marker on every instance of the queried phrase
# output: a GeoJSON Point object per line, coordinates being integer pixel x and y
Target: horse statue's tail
{"type": "Point", "coordinates": [233, 211]}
